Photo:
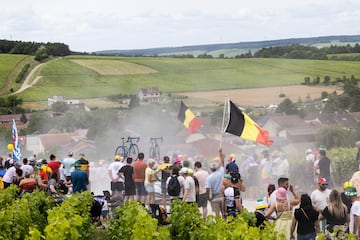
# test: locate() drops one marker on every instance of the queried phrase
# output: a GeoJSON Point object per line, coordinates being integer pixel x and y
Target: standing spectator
{"type": "Point", "coordinates": [26, 167]}
{"type": "Point", "coordinates": [128, 172]}
{"type": "Point", "coordinates": [189, 186]}
{"type": "Point", "coordinates": [85, 166]}
{"type": "Point", "coordinates": [55, 166]}
{"type": "Point", "coordinates": [214, 184]}
{"type": "Point", "coordinates": [117, 181]}
{"type": "Point", "coordinates": [283, 166]}
{"type": "Point", "coordinates": [231, 202]}
{"type": "Point", "coordinates": [176, 174]}
{"type": "Point", "coordinates": [68, 165]}
{"type": "Point", "coordinates": [165, 169]}
{"type": "Point", "coordinates": [309, 167]}
{"type": "Point", "coordinates": [139, 178]}
{"type": "Point", "coordinates": [320, 198]}
{"type": "Point", "coordinates": [79, 179]}
{"type": "Point", "coordinates": [252, 177]}
{"type": "Point", "coordinates": [177, 164]}
{"type": "Point", "coordinates": [344, 198]}
{"type": "Point", "coordinates": [270, 189]}
{"type": "Point", "coordinates": [283, 208]}
{"type": "Point", "coordinates": [354, 226]}
{"type": "Point", "coordinates": [231, 166]}
{"type": "Point", "coordinates": [335, 213]}
{"type": "Point", "coordinates": [275, 162]}
{"type": "Point", "coordinates": [150, 179]}
{"type": "Point", "coordinates": [201, 175]}
{"type": "Point", "coordinates": [265, 168]}
{"type": "Point", "coordinates": [306, 219]}
{"type": "Point", "coordinates": [324, 166]}
{"type": "Point", "coordinates": [284, 183]}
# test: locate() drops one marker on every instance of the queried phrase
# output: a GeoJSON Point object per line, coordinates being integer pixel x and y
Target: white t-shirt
{"type": "Point", "coordinates": [201, 176]}
{"type": "Point", "coordinates": [355, 210]}
{"type": "Point", "coordinates": [26, 168]}
{"type": "Point", "coordinates": [190, 184]}
{"type": "Point", "coordinates": [115, 167]}
{"type": "Point", "coordinates": [320, 199]}
{"type": "Point", "coordinates": [9, 175]}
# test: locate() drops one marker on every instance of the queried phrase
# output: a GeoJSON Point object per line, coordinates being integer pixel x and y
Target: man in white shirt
{"type": "Point", "coordinates": [117, 181]}
{"type": "Point", "coordinates": [68, 166]}
{"type": "Point", "coordinates": [320, 197]}
{"type": "Point", "coordinates": [189, 187]}
{"type": "Point", "coordinates": [26, 168]}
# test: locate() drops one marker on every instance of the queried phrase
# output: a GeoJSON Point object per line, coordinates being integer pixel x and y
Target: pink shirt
{"type": "Point", "coordinates": [201, 176]}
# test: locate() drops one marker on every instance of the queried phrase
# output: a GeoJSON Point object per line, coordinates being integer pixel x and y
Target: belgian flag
{"type": "Point", "coordinates": [188, 118]}
{"type": "Point", "coordinates": [243, 126]}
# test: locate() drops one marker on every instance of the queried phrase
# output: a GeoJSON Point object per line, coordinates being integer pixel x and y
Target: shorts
{"type": "Point", "coordinates": [216, 203]}
{"type": "Point", "coordinates": [140, 189]}
{"type": "Point", "coordinates": [130, 189]}
{"type": "Point", "coordinates": [117, 186]}
{"type": "Point", "coordinates": [202, 200]}
{"type": "Point", "coordinates": [149, 187]}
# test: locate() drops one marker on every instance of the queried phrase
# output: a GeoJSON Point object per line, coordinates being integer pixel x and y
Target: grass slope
{"type": "Point", "coordinates": [66, 77]}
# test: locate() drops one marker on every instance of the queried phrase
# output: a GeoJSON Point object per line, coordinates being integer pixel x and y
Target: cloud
{"type": "Point", "coordinates": [110, 24]}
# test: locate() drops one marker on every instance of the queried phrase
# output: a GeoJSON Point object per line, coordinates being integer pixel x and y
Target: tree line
{"type": "Point", "coordinates": [32, 48]}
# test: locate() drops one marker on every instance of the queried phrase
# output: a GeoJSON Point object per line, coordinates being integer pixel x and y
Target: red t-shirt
{"type": "Point", "coordinates": [54, 165]}
{"type": "Point", "coordinates": [139, 171]}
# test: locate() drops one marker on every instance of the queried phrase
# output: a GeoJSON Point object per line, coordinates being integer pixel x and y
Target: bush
{"type": "Point", "coordinates": [343, 163]}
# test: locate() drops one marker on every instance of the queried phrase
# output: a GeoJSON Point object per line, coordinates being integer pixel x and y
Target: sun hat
{"type": "Point", "coordinates": [350, 192]}
{"type": "Point", "coordinates": [321, 180]}
{"type": "Point", "coordinates": [177, 160]}
{"type": "Point", "coordinates": [260, 204]}
{"type": "Point", "coordinates": [184, 170]}
{"type": "Point", "coordinates": [281, 193]}
{"type": "Point", "coordinates": [308, 151]}
{"type": "Point", "coordinates": [347, 184]}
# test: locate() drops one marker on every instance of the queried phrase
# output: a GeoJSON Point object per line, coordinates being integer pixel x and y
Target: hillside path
{"type": "Point", "coordinates": [26, 84]}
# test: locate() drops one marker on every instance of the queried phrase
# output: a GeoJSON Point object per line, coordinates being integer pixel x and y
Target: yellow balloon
{"type": "Point", "coordinates": [10, 147]}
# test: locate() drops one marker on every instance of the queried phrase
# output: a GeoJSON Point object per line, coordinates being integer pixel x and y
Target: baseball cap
{"type": "Point", "coordinates": [70, 154]}
{"type": "Point", "coordinates": [190, 171]}
{"type": "Point", "coordinates": [308, 150]}
{"type": "Point", "coordinates": [117, 157]}
{"type": "Point", "coordinates": [77, 164]}
{"type": "Point", "coordinates": [321, 180]}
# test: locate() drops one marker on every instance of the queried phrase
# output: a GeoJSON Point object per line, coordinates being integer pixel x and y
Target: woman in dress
{"type": "Point", "coordinates": [283, 208]}
{"type": "Point", "coordinates": [306, 219]}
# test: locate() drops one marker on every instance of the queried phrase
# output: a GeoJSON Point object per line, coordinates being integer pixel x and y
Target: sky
{"type": "Point", "coordinates": [89, 25]}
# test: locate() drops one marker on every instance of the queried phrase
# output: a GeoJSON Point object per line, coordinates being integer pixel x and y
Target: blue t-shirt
{"type": "Point", "coordinates": [2, 172]}
{"type": "Point", "coordinates": [79, 180]}
{"type": "Point", "coordinates": [214, 181]}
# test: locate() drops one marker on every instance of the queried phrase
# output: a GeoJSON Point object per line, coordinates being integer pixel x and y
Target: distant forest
{"type": "Point", "coordinates": [41, 51]}
{"type": "Point", "coordinates": [299, 48]}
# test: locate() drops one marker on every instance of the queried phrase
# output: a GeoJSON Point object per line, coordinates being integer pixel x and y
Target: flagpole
{"type": "Point", "coordinates": [223, 121]}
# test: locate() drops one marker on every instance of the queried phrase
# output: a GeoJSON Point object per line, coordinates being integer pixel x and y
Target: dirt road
{"type": "Point", "coordinates": [26, 84]}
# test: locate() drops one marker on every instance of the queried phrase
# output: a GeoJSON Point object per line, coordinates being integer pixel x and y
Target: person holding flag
{"type": "Point", "coordinates": [16, 143]}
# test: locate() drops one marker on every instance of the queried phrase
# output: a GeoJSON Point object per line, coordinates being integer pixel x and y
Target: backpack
{"type": "Point", "coordinates": [174, 186]}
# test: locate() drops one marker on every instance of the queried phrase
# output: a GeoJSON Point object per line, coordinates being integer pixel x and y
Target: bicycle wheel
{"type": "Point", "coordinates": [133, 151]}
{"type": "Point", "coordinates": [120, 150]}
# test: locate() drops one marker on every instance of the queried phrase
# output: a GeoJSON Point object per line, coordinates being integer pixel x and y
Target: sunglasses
{"type": "Point", "coordinates": [324, 184]}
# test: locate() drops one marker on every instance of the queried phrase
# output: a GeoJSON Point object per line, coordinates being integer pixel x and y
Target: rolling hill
{"type": "Point", "coordinates": [232, 49]}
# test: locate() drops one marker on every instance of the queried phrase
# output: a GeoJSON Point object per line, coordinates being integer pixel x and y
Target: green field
{"type": "Point", "coordinates": [64, 76]}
